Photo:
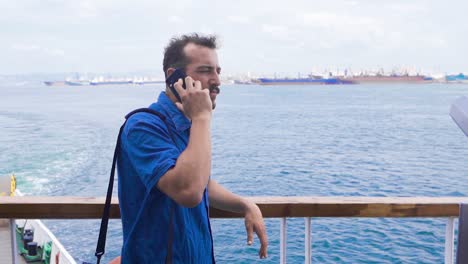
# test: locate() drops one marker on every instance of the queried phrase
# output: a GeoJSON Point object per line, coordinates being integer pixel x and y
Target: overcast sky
{"type": "Point", "coordinates": [48, 36]}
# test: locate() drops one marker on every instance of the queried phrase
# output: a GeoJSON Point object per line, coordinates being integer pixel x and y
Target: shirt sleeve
{"type": "Point", "coordinates": [150, 148]}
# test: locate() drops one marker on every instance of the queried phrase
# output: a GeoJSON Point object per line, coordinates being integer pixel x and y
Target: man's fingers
{"type": "Point", "coordinates": [188, 82]}
{"type": "Point", "coordinates": [249, 229]}
{"type": "Point", "coordinates": [206, 91]}
{"type": "Point", "coordinates": [180, 106]}
{"type": "Point", "coordinates": [178, 86]}
{"type": "Point", "coordinates": [192, 84]}
{"type": "Point", "coordinates": [198, 86]}
{"type": "Point", "coordinates": [261, 233]}
{"type": "Point", "coordinates": [263, 253]}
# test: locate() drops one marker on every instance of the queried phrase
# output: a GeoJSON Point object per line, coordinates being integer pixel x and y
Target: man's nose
{"type": "Point", "coordinates": [215, 80]}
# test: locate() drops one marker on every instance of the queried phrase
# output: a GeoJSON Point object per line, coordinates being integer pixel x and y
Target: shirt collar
{"type": "Point", "coordinates": [180, 121]}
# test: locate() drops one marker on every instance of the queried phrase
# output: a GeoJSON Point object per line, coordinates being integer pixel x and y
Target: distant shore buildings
{"type": "Point", "coordinates": [327, 78]}
{"type": "Point", "coordinates": [347, 77]}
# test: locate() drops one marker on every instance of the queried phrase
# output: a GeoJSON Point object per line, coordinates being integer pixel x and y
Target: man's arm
{"type": "Point", "coordinates": [187, 180]}
{"type": "Point", "coordinates": [223, 199]}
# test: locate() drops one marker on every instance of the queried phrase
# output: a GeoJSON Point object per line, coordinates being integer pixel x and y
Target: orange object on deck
{"type": "Point", "coordinates": [115, 261]}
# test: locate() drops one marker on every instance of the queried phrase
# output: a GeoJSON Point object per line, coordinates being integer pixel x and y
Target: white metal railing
{"type": "Point", "coordinates": [283, 240]}
{"type": "Point", "coordinates": [271, 207]}
{"type": "Point", "coordinates": [449, 240]}
{"type": "Point", "coordinates": [307, 241]}
{"type": "Point", "coordinates": [14, 249]}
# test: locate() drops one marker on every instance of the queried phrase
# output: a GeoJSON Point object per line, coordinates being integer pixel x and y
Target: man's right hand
{"type": "Point", "coordinates": [186, 182]}
{"type": "Point", "coordinates": [196, 102]}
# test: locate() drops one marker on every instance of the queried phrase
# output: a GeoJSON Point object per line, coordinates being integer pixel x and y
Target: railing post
{"type": "Point", "coordinates": [14, 249]}
{"type": "Point", "coordinates": [449, 231]}
{"type": "Point", "coordinates": [307, 241]}
{"type": "Point", "coordinates": [283, 241]}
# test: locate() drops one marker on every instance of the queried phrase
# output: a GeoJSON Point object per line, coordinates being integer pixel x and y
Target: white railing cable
{"type": "Point", "coordinates": [307, 241]}
{"type": "Point", "coordinates": [449, 241]}
{"type": "Point", "coordinates": [283, 241]}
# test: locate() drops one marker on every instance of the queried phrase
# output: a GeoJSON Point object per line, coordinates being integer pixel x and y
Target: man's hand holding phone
{"type": "Point", "coordinates": [196, 102]}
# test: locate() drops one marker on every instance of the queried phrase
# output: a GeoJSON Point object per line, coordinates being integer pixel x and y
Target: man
{"type": "Point", "coordinates": [164, 167]}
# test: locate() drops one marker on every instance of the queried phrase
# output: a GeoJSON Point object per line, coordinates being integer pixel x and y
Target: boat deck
{"type": "Point", "coordinates": [5, 241]}
{"type": "Point", "coordinates": [5, 238]}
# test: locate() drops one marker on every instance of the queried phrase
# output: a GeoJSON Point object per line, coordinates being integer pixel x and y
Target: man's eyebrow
{"type": "Point", "coordinates": [207, 67]}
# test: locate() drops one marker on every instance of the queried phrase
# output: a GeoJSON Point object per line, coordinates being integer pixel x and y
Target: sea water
{"type": "Point", "coordinates": [351, 140]}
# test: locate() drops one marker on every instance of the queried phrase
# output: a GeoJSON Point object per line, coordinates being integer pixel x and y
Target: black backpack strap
{"type": "Point", "coordinates": [101, 244]}
{"type": "Point", "coordinates": [145, 110]}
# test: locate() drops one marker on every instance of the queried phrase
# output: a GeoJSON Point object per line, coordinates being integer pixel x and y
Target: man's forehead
{"type": "Point", "coordinates": [191, 48]}
{"type": "Point", "coordinates": [201, 55]}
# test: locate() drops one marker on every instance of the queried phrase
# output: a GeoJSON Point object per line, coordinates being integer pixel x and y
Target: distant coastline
{"type": "Point", "coordinates": [102, 81]}
{"type": "Point", "coordinates": [355, 79]}
{"type": "Point", "coordinates": [330, 79]}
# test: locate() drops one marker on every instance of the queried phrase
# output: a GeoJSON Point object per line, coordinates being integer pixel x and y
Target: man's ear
{"type": "Point", "coordinates": [169, 71]}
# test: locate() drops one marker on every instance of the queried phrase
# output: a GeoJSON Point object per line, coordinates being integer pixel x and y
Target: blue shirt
{"type": "Point", "coordinates": [149, 148]}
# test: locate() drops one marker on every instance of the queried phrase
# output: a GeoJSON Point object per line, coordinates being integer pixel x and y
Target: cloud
{"type": "Point", "coordinates": [279, 31]}
{"type": "Point", "coordinates": [204, 29]}
{"type": "Point", "coordinates": [38, 49]}
{"type": "Point", "coordinates": [22, 47]}
{"type": "Point", "coordinates": [175, 20]}
{"type": "Point", "coordinates": [407, 7]}
{"type": "Point", "coordinates": [336, 30]}
{"type": "Point", "coordinates": [87, 9]}
{"type": "Point", "coordinates": [238, 19]}
{"type": "Point", "coordinates": [339, 22]}
{"type": "Point", "coordinates": [124, 47]}
{"type": "Point", "coordinates": [351, 3]}
{"type": "Point", "coordinates": [54, 52]}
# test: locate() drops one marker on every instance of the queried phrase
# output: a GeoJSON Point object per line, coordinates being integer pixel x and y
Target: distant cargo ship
{"type": "Point", "coordinates": [110, 82]}
{"type": "Point", "coordinates": [143, 82]}
{"type": "Point", "coordinates": [389, 78]}
{"type": "Point", "coordinates": [102, 82]}
{"type": "Point", "coordinates": [459, 78]}
{"type": "Point", "coordinates": [243, 82]}
{"type": "Point", "coordinates": [304, 81]}
{"type": "Point", "coordinates": [54, 83]}
{"type": "Point", "coordinates": [67, 82]}
{"type": "Point", "coordinates": [77, 83]}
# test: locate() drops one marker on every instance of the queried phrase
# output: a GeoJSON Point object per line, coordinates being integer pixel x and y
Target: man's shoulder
{"type": "Point", "coordinates": [146, 121]}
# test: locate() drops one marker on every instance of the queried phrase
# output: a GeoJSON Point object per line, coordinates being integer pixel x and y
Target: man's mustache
{"type": "Point", "coordinates": [214, 89]}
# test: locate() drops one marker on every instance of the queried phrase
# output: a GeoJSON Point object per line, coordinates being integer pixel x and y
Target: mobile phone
{"type": "Point", "coordinates": [173, 78]}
